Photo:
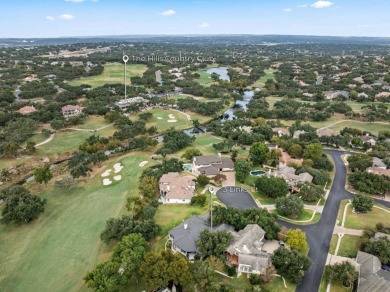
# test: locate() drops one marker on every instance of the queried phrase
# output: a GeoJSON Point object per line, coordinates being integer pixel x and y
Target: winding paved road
{"type": "Point", "coordinates": [319, 234]}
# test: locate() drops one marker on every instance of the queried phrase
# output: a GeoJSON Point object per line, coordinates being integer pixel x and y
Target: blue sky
{"type": "Point", "coordinates": [58, 18]}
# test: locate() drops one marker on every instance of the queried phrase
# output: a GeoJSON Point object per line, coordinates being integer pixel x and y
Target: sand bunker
{"type": "Point", "coordinates": [106, 173]}
{"type": "Point", "coordinates": [142, 163]}
{"type": "Point", "coordinates": [172, 121]}
{"type": "Point", "coordinates": [172, 117]}
{"type": "Point", "coordinates": [107, 182]}
{"type": "Point", "coordinates": [117, 167]}
{"type": "Point", "coordinates": [117, 177]}
{"type": "Point", "coordinates": [160, 118]}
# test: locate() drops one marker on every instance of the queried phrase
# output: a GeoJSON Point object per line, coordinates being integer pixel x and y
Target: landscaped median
{"type": "Point", "coordinates": [307, 217]}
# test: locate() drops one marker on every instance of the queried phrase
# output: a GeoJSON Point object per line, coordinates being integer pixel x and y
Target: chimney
{"type": "Point", "coordinates": [185, 225]}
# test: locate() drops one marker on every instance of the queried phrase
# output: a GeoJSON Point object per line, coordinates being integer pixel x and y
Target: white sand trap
{"type": "Point", "coordinates": [117, 167]}
{"type": "Point", "coordinates": [107, 182]}
{"type": "Point", "coordinates": [106, 173]}
{"type": "Point", "coordinates": [172, 121]}
{"type": "Point", "coordinates": [117, 177]}
{"type": "Point", "coordinates": [172, 117]}
{"type": "Point", "coordinates": [160, 118]}
{"type": "Point", "coordinates": [142, 163]}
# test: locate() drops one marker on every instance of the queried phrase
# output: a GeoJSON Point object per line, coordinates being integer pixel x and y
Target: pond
{"type": "Point", "coordinates": [246, 98]}
{"type": "Point", "coordinates": [221, 71]}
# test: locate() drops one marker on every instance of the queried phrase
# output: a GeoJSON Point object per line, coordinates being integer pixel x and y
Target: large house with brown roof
{"type": "Point", "coordinates": [71, 110]}
{"type": "Point", "coordinates": [176, 189]}
{"type": "Point", "coordinates": [27, 110]}
{"type": "Point", "coordinates": [211, 165]}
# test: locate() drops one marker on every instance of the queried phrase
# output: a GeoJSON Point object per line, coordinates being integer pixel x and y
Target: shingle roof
{"type": "Point", "coordinates": [176, 186]}
{"type": "Point", "coordinates": [258, 262]}
{"type": "Point", "coordinates": [186, 238]}
{"type": "Point", "coordinates": [247, 240]}
{"type": "Point", "coordinates": [205, 160]}
{"type": "Point", "coordinates": [372, 278]}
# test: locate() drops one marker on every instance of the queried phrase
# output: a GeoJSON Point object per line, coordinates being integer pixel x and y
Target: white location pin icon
{"type": "Point", "coordinates": [211, 189]}
{"type": "Point", "coordinates": [125, 58]}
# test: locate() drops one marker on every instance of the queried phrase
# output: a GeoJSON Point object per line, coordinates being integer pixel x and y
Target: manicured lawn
{"type": "Point", "coordinates": [366, 220]}
{"type": "Point", "coordinates": [69, 141]}
{"type": "Point", "coordinates": [203, 142]}
{"type": "Point", "coordinates": [269, 74]}
{"type": "Point", "coordinates": [349, 246]}
{"type": "Point", "coordinates": [205, 78]}
{"type": "Point", "coordinates": [306, 215]}
{"type": "Point", "coordinates": [373, 128]}
{"type": "Point", "coordinates": [92, 123]}
{"type": "Point", "coordinates": [341, 211]}
{"type": "Point", "coordinates": [161, 120]}
{"type": "Point", "coordinates": [333, 244]}
{"type": "Point", "coordinates": [333, 287]}
{"type": "Point", "coordinates": [113, 73]}
{"type": "Point", "coordinates": [54, 252]}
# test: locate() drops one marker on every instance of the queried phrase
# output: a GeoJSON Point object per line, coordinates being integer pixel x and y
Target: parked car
{"type": "Point", "coordinates": [386, 268]}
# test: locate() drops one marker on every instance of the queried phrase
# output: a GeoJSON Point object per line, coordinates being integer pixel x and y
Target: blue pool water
{"type": "Point", "coordinates": [257, 172]}
{"type": "Point", "coordinates": [187, 167]}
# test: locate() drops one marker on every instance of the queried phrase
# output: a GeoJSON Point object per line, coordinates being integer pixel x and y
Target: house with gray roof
{"type": "Point", "coordinates": [292, 179]}
{"type": "Point", "coordinates": [329, 95]}
{"type": "Point", "coordinates": [377, 162]}
{"type": "Point", "coordinates": [371, 277]}
{"type": "Point", "coordinates": [125, 103]}
{"type": "Point", "coordinates": [183, 237]}
{"type": "Point", "coordinates": [245, 250]}
{"type": "Point", "coordinates": [211, 165]}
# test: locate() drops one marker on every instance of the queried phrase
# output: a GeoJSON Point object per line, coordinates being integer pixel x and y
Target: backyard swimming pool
{"type": "Point", "coordinates": [257, 172]}
{"type": "Point", "coordinates": [187, 167]}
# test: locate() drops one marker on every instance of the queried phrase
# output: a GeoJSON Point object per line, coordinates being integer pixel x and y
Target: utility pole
{"type": "Point", "coordinates": [125, 59]}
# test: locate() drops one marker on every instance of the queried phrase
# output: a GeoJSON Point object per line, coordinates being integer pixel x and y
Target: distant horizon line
{"type": "Point", "coordinates": [195, 35]}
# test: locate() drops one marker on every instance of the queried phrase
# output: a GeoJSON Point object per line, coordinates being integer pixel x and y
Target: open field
{"type": "Point", "coordinates": [269, 74]}
{"type": "Point", "coordinates": [349, 246]}
{"type": "Point", "coordinates": [54, 252]}
{"type": "Point", "coordinates": [69, 141]}
{"type": "Point", "coordinates": [204, 143]}
{"type": "Point", "coordinates": [373, 128]}
{"type": "Point", "coordinates": [205, 78]}
{"type": "Point", "coordinates": [356, 106]}
{"type": "Point", "coordinates": [366, 220]}
{"type": "Point", "coordinates": [113, 73]}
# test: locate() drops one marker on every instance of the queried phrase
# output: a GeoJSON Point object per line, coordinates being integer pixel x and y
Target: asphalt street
{"type": "Point", "coordinates": [318, 235]}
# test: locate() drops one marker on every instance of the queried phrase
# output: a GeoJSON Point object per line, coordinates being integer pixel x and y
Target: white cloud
{"type": "Point", "coordinates": [169, 12]}
{"type": "Point", "coordinates": [66, 17]}
{"type": "Point", "coordinates": [51, 18]}
{"type": "Point", "coordinates": [204, 25]}
{"type": "Point", "coordinates": [75, 1]}
{"type": "Point", "coordinates": [287, 10]}
{"type": "Point", "coordinates": [303, 5]}
{"type": "Point", "coordinates": [321, 4]}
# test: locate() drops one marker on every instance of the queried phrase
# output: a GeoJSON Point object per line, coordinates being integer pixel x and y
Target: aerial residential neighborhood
{"type": "Point", "coordinates": [200, 146]}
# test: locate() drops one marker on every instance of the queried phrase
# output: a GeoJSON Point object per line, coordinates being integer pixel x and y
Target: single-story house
{"type": "Point", "coordinates": [377, 162]}
{"type": "Point", "coordinates": [368, 139]}
{"type": "Point", "coordinates": [183, 237]}
{"type": "Point", "coordinates": [298, 133]}
{"type": "Point", "coordinates": [125, 103]}
{"type": "Point", "coordinates": [329, 95]}
{"type": "Point", "coordinates": [371, 277]}
{"type": "Point", "coordinates": [211, 165]}
{"type": "Point", "coordinates": [326, 132]}
{"type": "Point", "coordinates": [71, 110]}
{"type": "Point", "coordinates": [288, 173]}
{"type": "Point", "coordinates": [281, 131]}
{"type": "Point", "coordinates": [27, 110]}
{"type": "Point", "coordinates": [176, 189]}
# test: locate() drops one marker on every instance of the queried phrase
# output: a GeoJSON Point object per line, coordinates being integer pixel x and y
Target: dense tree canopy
{"type": "Point", "coordinates": [20, 205]}
{"type": "Point", "coordinates": [271, 186]}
